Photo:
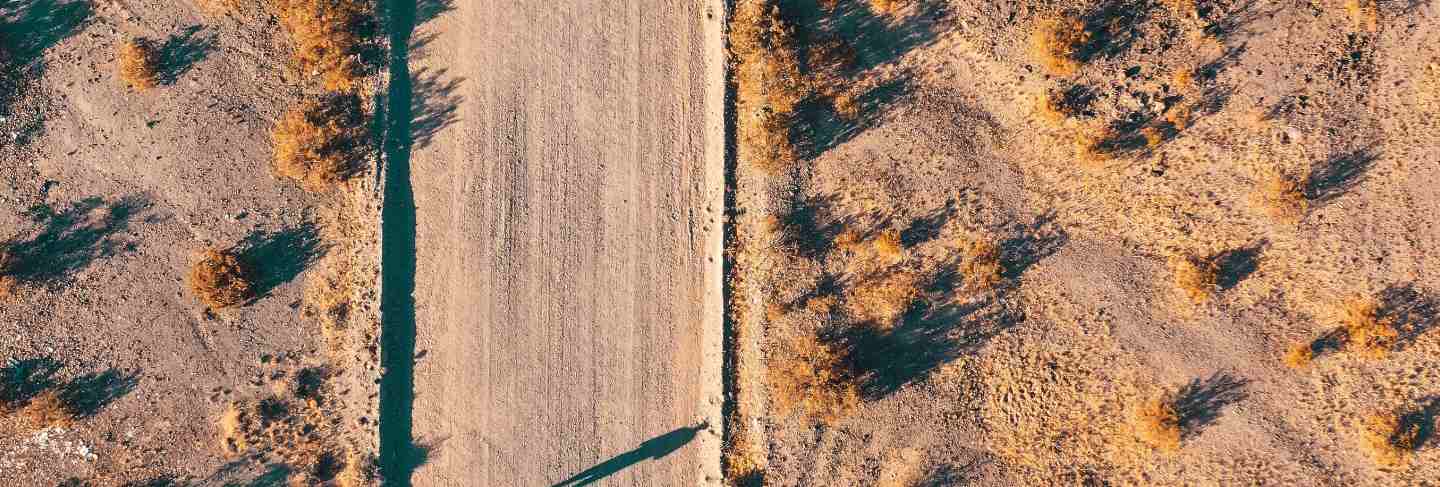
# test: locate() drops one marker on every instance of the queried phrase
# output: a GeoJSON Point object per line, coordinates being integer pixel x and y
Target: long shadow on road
{"type": "Point", "coordinates": [398, 454]}
{"type": "Point", "coordinates": [652, 449]}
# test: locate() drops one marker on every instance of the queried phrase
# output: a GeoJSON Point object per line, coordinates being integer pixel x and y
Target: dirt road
{"type": "Point", "coordinates": [567, 171]}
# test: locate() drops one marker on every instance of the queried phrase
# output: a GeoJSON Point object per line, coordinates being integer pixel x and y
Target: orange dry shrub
{"type": "Point", "coordinates": [1300, 355]}
{"type": "Point", "coordinates": [1057, 43]}
{"type": "Point", "coordinates": [1388, 439]}
{"type": "Point", "coordinates": [1367, 333]}
{"type": "Point", "coordinates": [327, 38]}
{"type": "Point", "coordinates": [1157, 422]}
{"type": "Point", "coordinates": [46, 410]}
{"type": "Point", "coordinates": [769, 84]}
{"type": "Point", "coordinates": [808, 376]}
{"type": "Point", "coordinates": [1196, 277]}
{"type": "Point", "coordinates": [139, 63]}
{"type": "Point", "coordinates": [317, 143]}
{"type": "Point", "coordinates": [881, 301]}
{"type": "Point", "coordinates": [1281, 196]}
{"type": "Point", "coordinates": [980, 264]}
{"type": "Point", "coordinates": [885, 7]}
{"type": "Point", "coordinates": [221, 280]}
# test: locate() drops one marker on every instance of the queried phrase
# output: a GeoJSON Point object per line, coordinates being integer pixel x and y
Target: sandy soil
{"type": "Point", "coordinates": [1036, 380]}
{"type": "Point", "coordinates": [112, 194]}
{"type": "Point", "coordinates": [569, 203]}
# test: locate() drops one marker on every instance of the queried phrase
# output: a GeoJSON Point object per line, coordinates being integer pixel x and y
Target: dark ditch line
{"type": "Point", "coordinates": [399, 455]}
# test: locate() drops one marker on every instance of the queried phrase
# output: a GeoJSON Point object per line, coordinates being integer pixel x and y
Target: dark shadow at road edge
{"type": "Point", "coordinates": [399, 456]}
{"type": "Point", "coordinates": [652, 449]}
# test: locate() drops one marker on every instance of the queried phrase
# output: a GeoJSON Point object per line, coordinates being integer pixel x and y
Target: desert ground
{"type": "Point", "coordinates": [757, 242]}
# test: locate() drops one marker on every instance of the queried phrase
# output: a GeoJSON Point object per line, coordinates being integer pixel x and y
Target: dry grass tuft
{"type": "Point", "coordinates": [232, 437]}
{"type": "Point", "coordinates": [1197, 278]}
{"type": "Point", "coordinates": [1157, 422]}
{"type": "Point", "coordinates": [883, 300]}
{"type": "Point", "coordinates": [139, 63]}
{"type": "Point", "coordinates": [1388, 439]}
{"type": "Point", "coordinates": [769, 83]}
{"type": "Point", "coordinates": [1282, 196]}
{"type": "Point", "coordinates": [886, 7]}
{"type": "Point", "coordinates": [328, 38]}
{"type": "Point", "coordinates": [980, 264]}
{"type": "Point", "coordinates": [1367, 333]}
{"type": "Point", "coordinates": [1057, 43]}
{"type": "Point", "coordinates": [221, 280]}
{"type": "Point", "coordinates": [320, 142]}
{"type": "Point", "coordinates": [47, 410]}
{"type": "Point", "coordinates": [1300, 355]}
{"type": "Point", "coordinates": [811, 377]}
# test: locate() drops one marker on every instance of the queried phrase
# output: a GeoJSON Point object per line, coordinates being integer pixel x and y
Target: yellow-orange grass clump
{"type": "Point", "coordinates": [1157, 422]}
{"type": "Point", "coordinates": [1281, 196]}
{"type": "Point", "coordinates": [221, 280]}
{"type": "Point", "coordinates": [1057, 43]}
{"type": "Point", "coordinates": [1367, 333]}
{"type": "Point", "coordinates": [317, 142]}
{"type": "Point", "coordinates": [46, 410]}
{"type": "Point", "coordinates": [980, 264]}
{"type": "Point", "coordinates": [1197, 278]}
{"type": "Point", "coordinates": [139, 63]}
{"type": "Point", "coordinates": [769, 83]}
{"type": "Point", "coordinates": [1300, 355]}
{"type": "Point", "coordinates": [1388, 439]}
{"type": "Point", "coordinates": [327, 38]}
{"type": "Point", "coordinates": [808, 376]}
{"type": "Point", "coordinates": [882, 300]}
{"type": "Point", "coordinates": [885, 7]}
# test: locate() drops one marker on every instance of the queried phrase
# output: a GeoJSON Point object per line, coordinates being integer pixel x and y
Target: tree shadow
{"type": "Point", "coordinates": [927, 227]}
{"type": "Point", "coordinates": [1030, 244]}
{"type": "Point", "coordinates": [24, 379]}
{"type": "Point", "coordinates": [1411, 310]}
{"type": "Point", "coordinates": [652, 449]}
{"type": "Point", "coordinates": [1111, 27]}
{"type": "Point", "coordinates": [279, 257]}
{"type": "Point", "coordinates": [819, 126]}
{"type": "Point", "coordinates": [435, 104]}
{"type": "Point", "coordinates": [950, 474]}
{"type": "Point", "coordinates": [876, 38]}
{"type": "Point", "coordinates": [885, 359]}
{"type": "Point", "coordinates": [1225, 21]}
{"type": "Point", "coordinates": [1235, 265]}
{"type": "Point", "coordinates": [808, 227]}
{"type": "Point", "coordinates": [182, 51]}
{"type": "Point", "coordinates": [1200, 402]}
{"type": "Point", "coordinates": [86, 395]}
{"type": "Point", "coordinates": [29, 27]}
{"type": "Point", "coordinates": [1421, 420]}
{"type": "Point", "coordinates": [1338, 174]}
{"type": "Point", "coordinates": [69, 240]}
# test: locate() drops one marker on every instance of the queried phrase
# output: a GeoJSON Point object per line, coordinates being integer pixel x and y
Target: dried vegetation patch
{"type": "Point", "coordinates": [138, 61]}
{"type": "Point", "coordinates": [330, 39]}
{"type": "Point", "coordinates": [321, 143]}
{"type": "Point", "coordinates": [221, 279]}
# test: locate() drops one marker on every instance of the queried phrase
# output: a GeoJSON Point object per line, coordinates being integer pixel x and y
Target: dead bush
{"type": "Point", "coordinates": [809, 376]}
{"type": "Point", "coordinates": [1157, 422]}
{"type": "Point", "coordinates": [139, 63]}
{"type": "Point", "coordinates": [47, 409]}
{"type": "Point", "coordinates": [1389, 439]}
{"type": "Point", "coordinates": [769, 83]}
{"type": "Point", "coordinates": [1198, 278]}
{"type": "Point", "coordinates": [980, 264]}
{"type": "Point", "coordinates": [1367, 332]}
{"type": "Point", "coordinates": [1057, 43]}
{"type": "Point", "coordinates": [1282, 196]}
{"type": "Point", "coordinates": [1300, 355]}
{"type": "Point", "coordinates": [221, 280]}
{"type": "Point", "coordinates": [320, 142]}
{"type": "Point", "coordinates": [329, 38]}
{"type": "Point", "coordinates": [885, 7]}
{"type": "Point", "coordinates": [881, 301]}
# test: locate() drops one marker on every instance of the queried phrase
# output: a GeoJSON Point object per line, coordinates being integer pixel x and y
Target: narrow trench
{"type": "Point", "coordinates": [398, 454]}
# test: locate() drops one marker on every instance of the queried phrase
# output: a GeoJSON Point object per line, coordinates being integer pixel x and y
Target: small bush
{"type": "Point", "coordinates": [232, 436]}
{"type": "Point", "coordinates": [885, 7]}
{"type": "Point", "coordinates": [221, 280]}
{"type": "Point", "coordinates": [47, 410]}
{"type": "Point", "coordinates": [139, 63]}
{"type": "Point", "coordinates": [980, 264]}
{"type": "Point", "coordinates": [1300, 356]}
{"type": "Point", "coordinates": [883, 300]}
{"type": "Point", "coordinates": [319, 143]}
{"type": "Point", "coordinates": [1282, 196]}
{"type": "Point", "coordinates": [328, 37]}
{"type": "Point", "coordinates": [1367, 333]}
{"type": "Point", "coordinates": [1057, 44]}
{"type": "Point", "coordinates": [1157, 422]}
{"type": "Point", "coordinates": [1198, 278]}
{"type": "Point", "coordinates": [811, 377]}
{"type": "Point", "coordinates": [769, 83]}
{"type": "Point", "coordinates": [1389, 439]}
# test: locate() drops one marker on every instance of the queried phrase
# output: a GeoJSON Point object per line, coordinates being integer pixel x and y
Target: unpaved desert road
{"type": "Point", "coordinates": [567, 169]}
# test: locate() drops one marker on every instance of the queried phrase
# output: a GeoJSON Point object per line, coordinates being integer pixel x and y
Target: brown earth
{"type": "Point", "coordinates": [113, 194]}
{"type": "Point", "coordinates": [1037, 379]}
